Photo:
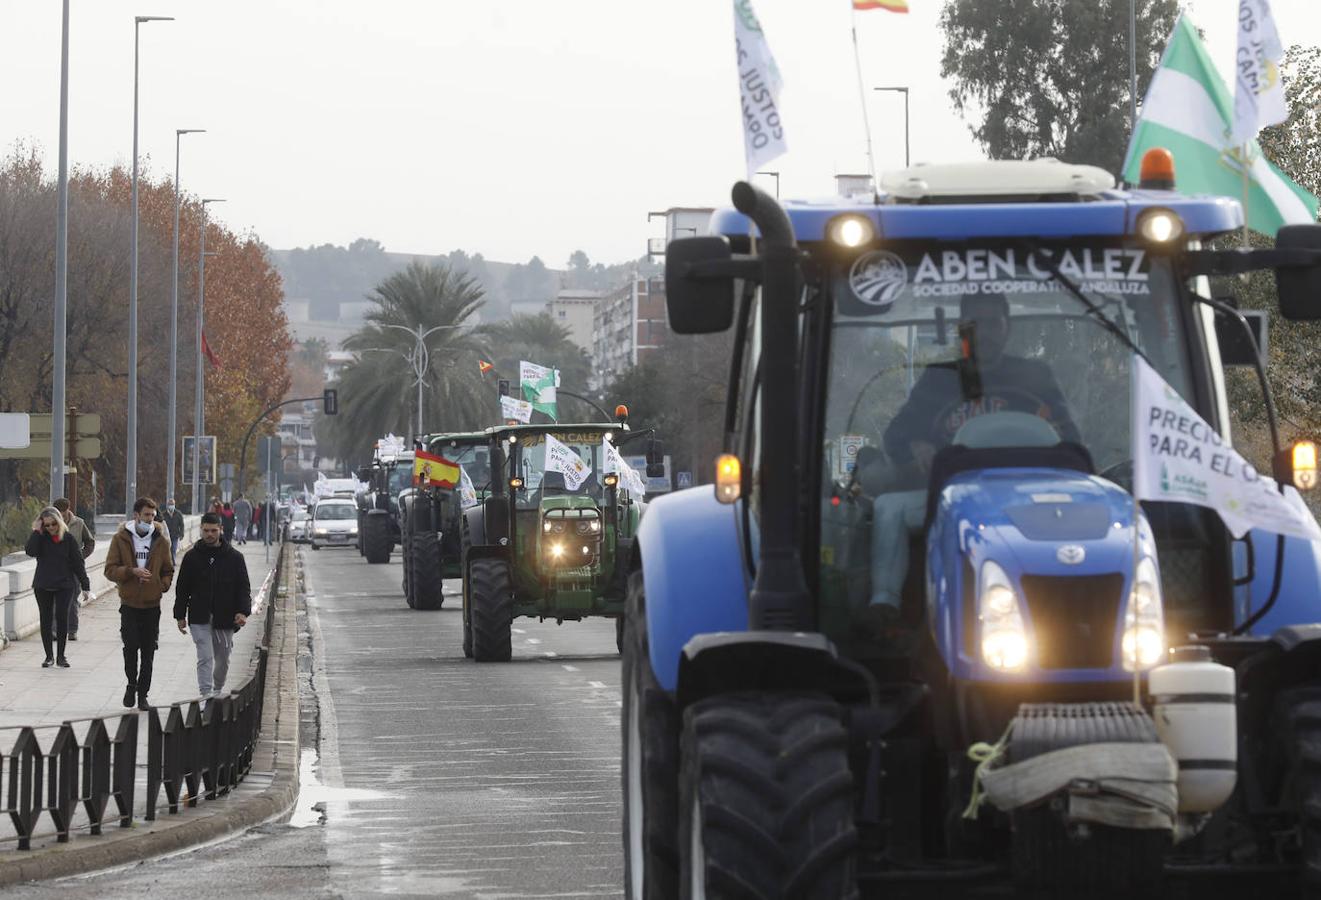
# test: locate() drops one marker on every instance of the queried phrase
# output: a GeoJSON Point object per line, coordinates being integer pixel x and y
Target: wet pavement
{"type": "Point", "coordinates": [424, 774]}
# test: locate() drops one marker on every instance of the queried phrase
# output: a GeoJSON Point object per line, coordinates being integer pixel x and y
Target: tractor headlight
{"type": "Point", "coordinates": [1143, 644]}
{"type": "Point", "coordinates": [1160, 227]}
{"type": "Point", "coordinates": [589, 526]}
{"type": "Point", "coordinates": [851, 231]}
{"type": "Point", "coordinates": [556, 550]}
{"type": "Point", "coordinates": [1005, 645]}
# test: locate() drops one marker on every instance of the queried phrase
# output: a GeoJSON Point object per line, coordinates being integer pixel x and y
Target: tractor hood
{"type": "Point", "coordinates": [1065, 541]}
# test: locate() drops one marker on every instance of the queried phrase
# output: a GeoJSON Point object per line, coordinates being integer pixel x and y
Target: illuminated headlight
{"type": "Point", "coordinates": [322, 531]}
{"type": "Point", "coordinates": [1004, 639]}
{"type": "Point", "coordinates": [1143, 644]}
{"type": "Point", "coordinates": [557, 550]}
{"type": "Point", "coordinates": [1159, 226]}
{"type": "Point", "coordinates": [851, 231]}
{"type": "Point", "coordinates": [589, 526]}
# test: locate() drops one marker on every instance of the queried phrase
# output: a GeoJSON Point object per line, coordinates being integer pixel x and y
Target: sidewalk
{"type": "Point", "coordinates": [94, 683]}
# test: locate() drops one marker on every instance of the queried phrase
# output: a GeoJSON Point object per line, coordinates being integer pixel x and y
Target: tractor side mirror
{"type": "Point", "coordinates": [655, 459]}
{"type": "Point", "coordinates": [1240, 348]}
{"type": "Point", "coordinates": [698, 303]}
{"type": "Point", "coordinates": [1299, 287]}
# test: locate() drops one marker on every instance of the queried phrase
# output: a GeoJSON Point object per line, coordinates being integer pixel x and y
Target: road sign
{"type": "Point", "coordinates": [683, 480]}
{"type": "Point", "coordinates": [207, 461]}
{"type": "Point", "coordinates": [84, 448]}
{"type": "Point", "coordinates": [15, 430]}
{"type": "Point", "coordinates": [43, 423]}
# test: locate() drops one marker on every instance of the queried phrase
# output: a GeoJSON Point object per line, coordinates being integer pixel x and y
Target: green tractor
{"type": "Point", "coordinates": [378, 503]}
{"type": "Point", "coordinates": [431, 517]}
{"type": "Point", "coordinates": [553, 537]}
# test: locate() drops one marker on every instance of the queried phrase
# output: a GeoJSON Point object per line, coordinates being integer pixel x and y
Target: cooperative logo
{"type": "Point", "coordinates": [1071, 554]}
{"type": "Point", "coordinates": [877, 278]}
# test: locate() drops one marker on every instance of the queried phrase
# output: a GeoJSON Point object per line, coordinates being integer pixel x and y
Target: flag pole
{"type": "Point", "coordinates": [862, 99]}
{"type": "Point", "coordinates": [1134, 374]}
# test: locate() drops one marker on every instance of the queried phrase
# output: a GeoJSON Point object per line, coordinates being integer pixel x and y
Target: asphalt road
{"type": "Point", "coordinates": [424, 773]}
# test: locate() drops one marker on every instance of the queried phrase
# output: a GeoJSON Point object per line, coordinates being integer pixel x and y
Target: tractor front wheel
{"type": "Point", "coordinates": [491, 608]}
{"type": "Point", "coordinates": [375, 538]}
{"type": "Point", "coordinates": [766, 799]}
{"type": "Point", "coordinates": [1300, 710]}
{"type": "Point", "coordinates": [428, 585]}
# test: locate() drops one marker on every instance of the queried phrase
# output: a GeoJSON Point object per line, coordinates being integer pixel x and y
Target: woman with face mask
{"type": "Point", "coordinates": [60, 572]}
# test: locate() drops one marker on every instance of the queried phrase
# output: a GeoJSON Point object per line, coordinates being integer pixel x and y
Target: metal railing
{"type": "Point", "coordinates": [91, 765]}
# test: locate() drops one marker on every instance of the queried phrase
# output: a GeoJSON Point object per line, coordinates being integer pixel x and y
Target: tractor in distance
{"type": "Point", "coordinates": [920, 634]}
{"type": "Point", "coordinates": [431, 515]}
{"type": "Point", "coordinates": [553, 536]}
{"type": "Point", "coordinates": [389, 472]}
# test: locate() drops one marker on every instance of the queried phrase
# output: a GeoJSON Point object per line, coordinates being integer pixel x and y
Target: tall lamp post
{"type": "Point", "coordinates": [421, 358]}
{"type": "Point", "coordinates": [131, 440]}
{"type": "Point", "coordinates": [57, 442]}
{"type": "Point", "coordinates": [199, 410]}
{"type": "Point", "coordinates": [174, 321]}
{"type": "Point", "coordinates": [904, 91]}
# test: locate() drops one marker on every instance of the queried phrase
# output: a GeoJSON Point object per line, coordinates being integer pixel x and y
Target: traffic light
{"type": "Point", "coordinates": [330, 402]}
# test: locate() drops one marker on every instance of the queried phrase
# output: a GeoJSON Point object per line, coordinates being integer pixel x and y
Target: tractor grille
{"type": "Point", "coordinates": [1074, 619]}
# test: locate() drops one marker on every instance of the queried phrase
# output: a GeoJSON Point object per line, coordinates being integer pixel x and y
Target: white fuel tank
{"type": "Point", "coordinates": [1193, 707]}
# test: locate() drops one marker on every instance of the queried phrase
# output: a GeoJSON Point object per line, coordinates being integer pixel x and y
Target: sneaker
{"type": "Point", "coordinates": [62, 663]}
{"type": "Point", "coordinates": [73, 635]}
{"type": "Point", "coordinates": [130, 694]}
{"type": "Point", "coordinates": [50, 661]}
{"type": "Point", "coordinates": [142, 702]}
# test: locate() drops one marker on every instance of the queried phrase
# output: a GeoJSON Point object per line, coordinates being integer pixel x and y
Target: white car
{"type": "Point", "coordinates": [334, 524]}
{"type": "Point", "coordinates": [299, 525]}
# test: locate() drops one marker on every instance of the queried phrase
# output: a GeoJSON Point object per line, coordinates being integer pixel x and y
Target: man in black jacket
{"type": "Point", "coordinates": [212, 600]}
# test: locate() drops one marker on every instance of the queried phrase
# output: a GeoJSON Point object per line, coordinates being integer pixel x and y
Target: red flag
{"type": "Point", "coordinates": [206, 349]}
{"type": "Point", "coordinates": [483, 366]}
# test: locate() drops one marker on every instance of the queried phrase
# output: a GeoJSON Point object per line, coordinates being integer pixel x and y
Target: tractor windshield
{"type": "Point", "coordinates": [540, 482]}
{"type": "Point", "coordinates": [401, 476]}
{"type": "Point", "coordinates": [929, 338]}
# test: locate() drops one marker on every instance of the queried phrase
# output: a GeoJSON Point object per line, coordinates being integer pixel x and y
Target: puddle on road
{"type": "Point", "coordinates": [314, 797]}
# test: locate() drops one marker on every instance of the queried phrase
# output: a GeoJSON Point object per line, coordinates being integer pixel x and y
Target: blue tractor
{"type": "Point", "coordinates": [919, 635]}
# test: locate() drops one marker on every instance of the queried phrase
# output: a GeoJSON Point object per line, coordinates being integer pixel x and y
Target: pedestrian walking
{"type": "Point", "coordinates": [242, 518]}
{"type": "Point", "coordinates": [80, 533]}
{"type": "Point", "coordinates": [60, 573]}
{"type": "Point", "coordinates": [174, 524]}
{"type": "Point", "coordinates": [227, 522]}
{"type": "Point", "coordinates": [140, 562]}
{"type": "Point", "coordinates": [212, 600]}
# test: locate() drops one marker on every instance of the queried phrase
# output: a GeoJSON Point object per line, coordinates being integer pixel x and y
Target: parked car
{"type": "Point", "coordinates": [334, 524]}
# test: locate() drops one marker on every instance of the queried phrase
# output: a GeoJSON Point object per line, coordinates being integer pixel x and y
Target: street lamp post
{"type": "Point", "coordinates": [174, 321]}
{"type": "Point", "coordinates": [420, 358]}
{"type": "Point", "coordinates": [904, 91]}
{"type": "Point", "coordinates": [131, 439]}
{"type": "Point", "coordinates": [199, 410]}
{"type": "Point", "coordinates": [57, 441]}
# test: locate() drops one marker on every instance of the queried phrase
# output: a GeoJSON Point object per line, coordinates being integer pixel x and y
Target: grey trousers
{"type": "Point", "coordinates": [213, 649]}
{"type": "Point", "coordinates": [895, 516]}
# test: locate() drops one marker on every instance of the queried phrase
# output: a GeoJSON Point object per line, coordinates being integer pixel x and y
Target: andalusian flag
{"type": "Point", "coordinates": [433, 470]}
{"type": "Point", "coordinates": [483, 366]}
{"type": "Point", "coordinates": [1189, 111]}
{"type": "Point", "coordinates": [538, 384]}
{"type": "Point", "coordinates": [897, 6]}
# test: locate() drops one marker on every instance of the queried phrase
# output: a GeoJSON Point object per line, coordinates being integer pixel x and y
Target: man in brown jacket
{"type": "Point", "coordinates": [139, 561]}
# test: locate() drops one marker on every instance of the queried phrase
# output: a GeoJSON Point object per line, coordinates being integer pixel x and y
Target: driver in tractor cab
{"type": "Point", "coordinates": [984, 380]}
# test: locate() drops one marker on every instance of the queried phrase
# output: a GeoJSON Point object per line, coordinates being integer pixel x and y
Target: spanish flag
{"type": "Point", "coordinates": [895, 6]}
{"type": "Point", "coordinates": [483, 366]}
{"type": "Point", "coordinates": [436, 471]}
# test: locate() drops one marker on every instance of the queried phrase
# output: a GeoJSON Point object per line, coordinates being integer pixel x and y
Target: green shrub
{"type": "Point", "coordinates": [16, 524]}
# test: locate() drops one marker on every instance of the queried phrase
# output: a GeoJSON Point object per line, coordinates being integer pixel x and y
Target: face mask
{"type": "Point", "coordinates": [142, 528]}
{"type": "Point", "coordinates": [169, 508]}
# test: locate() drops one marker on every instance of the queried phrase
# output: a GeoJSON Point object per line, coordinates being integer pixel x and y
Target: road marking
{"type": "Point", "coordinates": [534, 640]}
{"type": "Point", "coordinates": [518, 631]}
{"type": "Point", "coordinates": [570, 668]}
{"type": "Point", "coordinates": [596, 684]}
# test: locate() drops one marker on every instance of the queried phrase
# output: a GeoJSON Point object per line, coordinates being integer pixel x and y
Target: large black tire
{"type": "Point", "coordinates": [491, 604]}
{"type": "Point", "coordinates": [362, 526]}
{"type": "Point", "coordinates": [465, 542]}
{"type": "Point", "coordinates": [375, 537]}
{"type": "Point", "coordinates": [650, 723]}
{"type": "Point", "coordinates": [766, 799]}
{"type": "Point", "coordinates": [428, 585]}
{"type": "Point", "coordinates": [1298, 722]}
{"type": "Point", "coordinates": [405, 548]}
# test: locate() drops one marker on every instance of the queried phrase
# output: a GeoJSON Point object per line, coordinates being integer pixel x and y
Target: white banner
{"type": "Point", "coordinates": [759, 90]}
{"type": "Point", "coordinates": [1179, 458]}
{"type": "Point", "coordinates": [1259, 90]}
{"type": "Point", "coordinates": [513, 408]}
{"type": "Point", "coordinates": [467, 493]}
{"type": "Point", "coordinates": [538, 385]}
{"type": "Point", "coordinates": [629, 479]}
{"type": "Point", "coordinates": [390, 446]}
{"type": "Point", "coordinates": [560, 458]}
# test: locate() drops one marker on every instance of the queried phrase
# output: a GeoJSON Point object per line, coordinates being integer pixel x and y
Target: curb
{"type": "Point", "coordinates": [276, 751]}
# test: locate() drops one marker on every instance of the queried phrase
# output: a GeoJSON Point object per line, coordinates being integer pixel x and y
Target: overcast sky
{"type": "Point", "coordinates": [506, 127]}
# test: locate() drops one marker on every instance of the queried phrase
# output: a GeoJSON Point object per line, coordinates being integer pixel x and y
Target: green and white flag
{"type": "Point", "coordinates": [539, 385]}
{"type": "Point", "coordinates": [1189, 111]}
{"type": "Point", "coordinates": [1258, 90]}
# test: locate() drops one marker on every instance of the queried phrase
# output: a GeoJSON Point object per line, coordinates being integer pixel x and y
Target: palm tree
{"type": "Point", "coordinates": [542, 340]}
{"type": "Point", "coordinates": [378, 391]}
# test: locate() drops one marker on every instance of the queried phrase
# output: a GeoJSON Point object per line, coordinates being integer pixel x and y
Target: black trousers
{"type": "Point", "coordinates": [54, 609]}
{"type": "Point", "coordinates": [140, 629]}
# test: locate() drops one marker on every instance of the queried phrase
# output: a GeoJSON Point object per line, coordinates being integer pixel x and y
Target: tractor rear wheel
{"type": "Point", "coordinates": [375, 537]}
{"type": "Point", "coordinates": [464, 543]}
{"type": "Point", "coordinates": [766, 799]}
{"type": "Point", "coordinates": [406, 548]}
{"type": "Point", "coordinates": [1300, 711]}
{"type": "Point", "coordinates": [650, 724]}
{"type": "Point", "coordinates": [491, 607]}
{"type": "Point", "coordinates": [428, 585]}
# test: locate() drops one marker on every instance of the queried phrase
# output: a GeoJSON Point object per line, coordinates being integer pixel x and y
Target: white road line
{"type": "Point", "coordinates": [570, 668]}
